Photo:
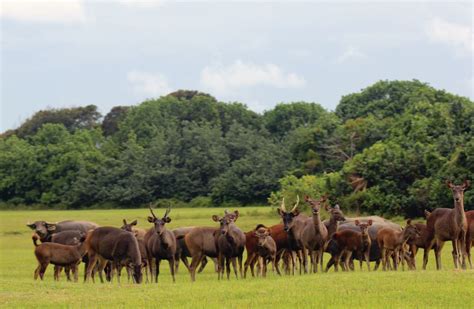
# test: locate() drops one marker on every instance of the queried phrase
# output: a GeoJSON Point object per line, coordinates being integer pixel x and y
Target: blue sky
{"type": "Point", "coordinates": [63, 53]}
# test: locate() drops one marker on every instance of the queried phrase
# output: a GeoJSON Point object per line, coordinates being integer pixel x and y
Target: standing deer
{"type": "Point", "coordinates": [470, 235]}
{"type": "Point", "coordinates": [160, 243]}
{"type": "Point", "coordinates": [230, 244]}
{"type": "Point", "coordinates": [294, 224]}
{"type": "Point", "coordinates": [266, 249]}
{"type": "Point", "coordinates": [201, 242]}
{"type": "Point", "coordinates": [315, 233]}
{"type": "Point", "coordinates": [350, 241]}
{"type": "Point", "coordinates": [446, 224]}
{"type": "Point", "coordinates": [391, 241]}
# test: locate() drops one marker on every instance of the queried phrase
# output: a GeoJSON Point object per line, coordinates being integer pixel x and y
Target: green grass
{"type": "Point", "coordinates": [431, 288]}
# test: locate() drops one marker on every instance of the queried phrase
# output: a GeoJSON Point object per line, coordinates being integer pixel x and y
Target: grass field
{"type": "Point", "coordinates": [408, 289]}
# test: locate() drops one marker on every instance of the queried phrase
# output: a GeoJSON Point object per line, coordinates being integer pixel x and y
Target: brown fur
{"type": "Point", "coordinates": [350, 241]}
{"type": "Point", "coordinates": [449, 224]}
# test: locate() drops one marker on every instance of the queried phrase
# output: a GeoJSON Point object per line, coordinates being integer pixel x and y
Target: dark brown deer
{"type": "Point", "coordinates": [315, 234]}
{"type": "Point", "coordinates": [201, 242]}
{"type": "Point", "coordinates": [266, 250]}
{"type": "Point", "coordinates": [251, 246]}
{"type": "Point", "coordinates": [446, 224]}
{"type": "Point", "coordinates": [115, 245]}
{"type": "Point", "coordinates": [335, 216]}
{"type": "Point", "coordinates": [350, 241]}
{"type": "Point", "coordinates": [230, 244]}
{"type": "Point", "coordinates": [469, 235]}
{"type": "Point", "coordinates": [59, 255]}
{"type": "Point", "coordinates": [392, 242]}
{"type": "Point", "coordinates": [140, 235]}
{"type": "Point", "coordinates": [294, 224]}
{"type": "Point", "coordinates": [160, 243]}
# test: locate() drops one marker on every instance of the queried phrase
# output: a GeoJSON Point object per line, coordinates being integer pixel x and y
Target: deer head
{"type": "Point", "coordinates": [159, 224]}
{"type": "Point", "coordinates": [458, 190]}
{"type": "Point", "coordinates": [288, 216]}
{"type": "Point", "coordinates": [128, 226]}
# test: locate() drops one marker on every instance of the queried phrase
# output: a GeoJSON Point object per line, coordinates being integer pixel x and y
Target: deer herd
{"type": "Point", "coordinates": [299, 242]}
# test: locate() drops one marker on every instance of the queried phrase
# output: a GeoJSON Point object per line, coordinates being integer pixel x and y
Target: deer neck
{"type": "Point", "coordinates": [459, 214]}
{"type": "Point", "coordinates": [317, 220]}
{"type": "Point", "coordinates": [332, 227]}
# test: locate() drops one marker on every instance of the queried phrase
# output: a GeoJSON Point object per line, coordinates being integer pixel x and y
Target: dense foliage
{"type": "Point", "coordinates": [386, 149]}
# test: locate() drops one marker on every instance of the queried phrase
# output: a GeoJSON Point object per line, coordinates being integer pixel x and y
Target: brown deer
{"type": "Point", "coordinates": [294, 223]}
{"type": "Point", "coordinates": [160, 243]}
{"type": "Point", "coordinates": [266, 250]}
{"type": "Point", "coordinates": [140, 235]}
{"type": "Point", "coordinates": [470, 235]}
{"type": "Point", "coordinates": [350, 241]}
{"type": "Point", "coordinates": [315, 233]}
{"type": "Point", "coordinates": [230, 244]}
{"type": "Point", "coordinates": [59, 255]}
{"type": "Point", "coordinates": [115, 245]}
{"type": "Point", "coordinates": [201, 242]}
{"type": "Point", "coordinates": [392, 242]}
{"type": "Point", "coordinates": [446, 224]}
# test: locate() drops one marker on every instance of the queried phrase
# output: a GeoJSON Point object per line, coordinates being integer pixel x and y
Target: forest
{"type": "Point", "coordinates": [387, 149]}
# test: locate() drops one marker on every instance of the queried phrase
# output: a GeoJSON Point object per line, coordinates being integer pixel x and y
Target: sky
{"type": "Point", "coordinates": [69, 53]}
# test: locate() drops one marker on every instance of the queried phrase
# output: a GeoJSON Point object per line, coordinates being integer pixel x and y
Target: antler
{"type": "Point", "coordinates": [151, 210]}
{"type": "Point", "coordinates": [297, 203]}
{"type": "Point", "coordinates": [167, 210]}
{"type": "Point", "coordinates": [282, 207]}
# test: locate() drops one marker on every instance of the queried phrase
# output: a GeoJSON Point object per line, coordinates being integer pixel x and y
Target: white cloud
{"type": "Point", "coordinates": [56, 11]}
{"type": "Point", "coordinates": [350, 53]}
{"type": "Point", "coordinates": [149, 84]}
{"type": "Point", "coordinates": [145, 4]}
{"type": "Point", "coordinates": [225, 79]}
{"type": "Point", "coordinates": [456, 35]}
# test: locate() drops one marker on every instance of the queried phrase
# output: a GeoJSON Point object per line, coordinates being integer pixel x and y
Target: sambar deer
{"type": "Point", "coordinates": [266, 250]}
{"type": "Point", "coordinates": [350, 241]}
{"type": "Point", "coordinates": [449, 224]}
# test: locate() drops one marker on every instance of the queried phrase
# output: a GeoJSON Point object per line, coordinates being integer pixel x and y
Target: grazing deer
{"type": "Point", "coordinates": [350, 241]}
{"type": "Point", "coordinates": [140, 235]}
{"type": "Point", "coordinates": [266, 250]}
{"type": "Point", "coordinates": [392, 242]}
{"type": "Point", "coordinates": [59, 255]}
{"type": "Point", "coordinates": [230, 244]}
{"type": "Point", "coordinates": [446, 224]}
{"type": "Point", "coordinates": [315, 233]}
{"type": "Point", "coordinates": [115, 245]}
{"type": "Point", "coordinates": [160, 243]}
{"type": "Point", "coordinates": [294, 224]}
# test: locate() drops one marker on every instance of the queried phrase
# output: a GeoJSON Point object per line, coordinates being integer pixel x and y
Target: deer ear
{"type": "Point", "coordinates": [296, 212]}
{"type": "Point", "coordinates": [124, 222]}
{"type": "Point", "coordinates": [135, 222]}
{"type": "Point", "coordinates": [167, 219]}
{"type": "Point", "coordinates": [280, 212]}
{"type": "Point", "coordinates": [369, 223]}
{"type": "Point", "coordinates": [357, 222]}
{"type": "Point", "coordinates": [327, 207]}
{"type": "Point", "coordinates": [215, 218]}
{"type": "Point", "coordinates": [51, 227]}
{"type": "Point", "coordinates": [31, 226]}
{"type": "Point", "coordinates": [466, 184]}
{"type": "Point", "coordinates": [236, 213]}
{"type": "Point", "coordinates": [449, 184]}
{"type": "Point", "coordinates": [306, 198]}
{"type": "Point", "coordinates": [150, 219]}
{"type": "Point", "coordinates": [427, 214]}
{"type": "Point", "coordinates": [409, 222]}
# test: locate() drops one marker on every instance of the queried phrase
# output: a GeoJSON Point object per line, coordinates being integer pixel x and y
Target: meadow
{"type": "Point", "coordinates": [402, 289]}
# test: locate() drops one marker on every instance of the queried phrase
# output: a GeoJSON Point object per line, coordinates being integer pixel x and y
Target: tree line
{"type": "Point", "coordinates": [387, 149]}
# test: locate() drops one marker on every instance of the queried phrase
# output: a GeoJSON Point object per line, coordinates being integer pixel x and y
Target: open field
{"type": "Point", "coordinates": [447, 288]}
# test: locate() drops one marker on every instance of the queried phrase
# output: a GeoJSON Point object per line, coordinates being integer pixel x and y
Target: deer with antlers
{"type": "Point", "coordinates": [160, 243]}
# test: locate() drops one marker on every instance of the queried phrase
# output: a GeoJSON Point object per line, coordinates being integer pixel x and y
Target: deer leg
{"type": "Point", "coordinates": [172, 263]}
{"type": "Point", "coordinates": [43, 269]}
{"type": "Point", "coordinates": [56, 272]}
{"type": "Point", "coordinates": [462, 249]}
{"type": "Point", "coordinates": [227, 267]}
{"type": "Point", "coordinates": [321, 261]}
{"type": "Point", "coordinates": [92, 257]}
{"type": "Point", "coordinates": [247, 263]}
{"type": "Point", "coordinates": [360, 255]}
{"type": "Point", "coordinates": [234, 266]}
{"type": "Point", "coordinates": [240, 258]}
{"type": "Point", "coordinates": [396, 257]}
{"type": "Point", "coordinates": [367, 258]}
{"type": "Point", "coordinates": [194, 262]}
{"type": "Point", "coordinates": [468, 250]}
{"type": "Point", "coordinates": [157, 269]}
{"type": "Point", "coordinates": [438, 248]}
{"type": "Point", "coordinates": [37, 270]}
{"type": "Point", "coordinates": [74, 269]}
{"type": "Point", "coordinates": [384, 259]}
{"type": "Point", "coordinates": [348, 259]}
{"type": "Point", "coordinates": [203, 264]}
